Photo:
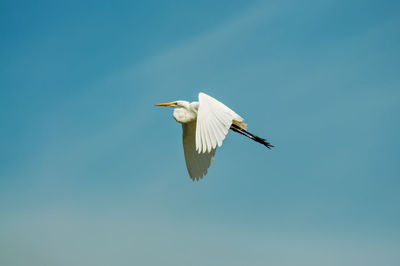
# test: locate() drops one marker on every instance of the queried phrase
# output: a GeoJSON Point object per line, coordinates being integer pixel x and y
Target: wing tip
{"type": "Point", "coordinates": [202, 95]}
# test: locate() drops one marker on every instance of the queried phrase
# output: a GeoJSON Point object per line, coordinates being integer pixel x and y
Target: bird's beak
{"type": "Point", "coordinates": [165, 104]}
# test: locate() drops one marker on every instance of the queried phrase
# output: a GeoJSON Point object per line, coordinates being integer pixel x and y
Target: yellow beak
{"type": "Point", "coordinates": [165, 104]}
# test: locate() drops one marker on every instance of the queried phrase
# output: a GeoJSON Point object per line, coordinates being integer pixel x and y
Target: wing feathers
{"type": "Point", "coordinates": [213, 122]}
{"type": "Point", "coordinates": [202, 137]}
{"type": "Point", "coordinates": [196, 163]}
{"type": "Point", "coordinates": [216, 133]}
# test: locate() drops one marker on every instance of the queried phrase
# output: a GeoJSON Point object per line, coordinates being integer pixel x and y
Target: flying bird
{"type": "Point", "coordinates": [205, 125]}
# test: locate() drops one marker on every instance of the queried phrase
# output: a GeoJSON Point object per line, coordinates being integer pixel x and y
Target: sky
{"type": "Point", "coordinates": [91, 173]}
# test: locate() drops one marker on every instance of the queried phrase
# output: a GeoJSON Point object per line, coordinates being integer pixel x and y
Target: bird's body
{"type": "Point", "coordinates": [205, 124]}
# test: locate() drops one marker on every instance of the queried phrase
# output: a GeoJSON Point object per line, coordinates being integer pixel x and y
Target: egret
{"type": "Point", "coordinates": [205, 125]}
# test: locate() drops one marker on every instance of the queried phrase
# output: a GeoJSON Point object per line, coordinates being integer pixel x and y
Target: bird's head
{"type": "Point", "coordinates": [176, 104]}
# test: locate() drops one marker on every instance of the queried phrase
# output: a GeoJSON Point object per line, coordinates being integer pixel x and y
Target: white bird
{"type": "Point", "coordinates": [205, 125]}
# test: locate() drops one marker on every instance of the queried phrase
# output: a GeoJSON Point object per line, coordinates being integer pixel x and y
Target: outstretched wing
{"type": "Point", "coordinates": [196, 163]}
{"type": "Point", "coordinates": [213, 122]}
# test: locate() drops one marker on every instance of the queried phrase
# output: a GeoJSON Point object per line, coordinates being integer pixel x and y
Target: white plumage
{"type": "Point", "coordinates": [213, 122]}
{"type": "Point", "coordinates": [197, 163]}
{"type": "Point", "coordinates": [205, 125]}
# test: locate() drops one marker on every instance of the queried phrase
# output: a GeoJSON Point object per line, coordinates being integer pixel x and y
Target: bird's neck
{"type": "Point", "coordinates": [185, 115]}
{"type": "Point", "coordinates": [194, 106]}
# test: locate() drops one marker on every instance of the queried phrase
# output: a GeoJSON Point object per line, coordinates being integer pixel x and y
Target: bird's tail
{"type": "Point", "coordinates": [242, 131]}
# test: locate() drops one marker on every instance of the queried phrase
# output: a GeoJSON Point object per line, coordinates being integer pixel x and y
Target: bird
{"type": "Point", "coordinates": [205, 124]}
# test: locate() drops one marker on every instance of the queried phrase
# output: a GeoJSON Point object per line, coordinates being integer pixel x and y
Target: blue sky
{"type": "Point", "coordinates": [92, 174]}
